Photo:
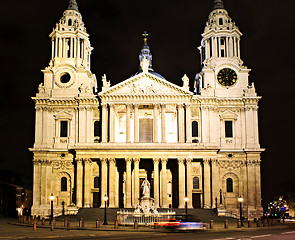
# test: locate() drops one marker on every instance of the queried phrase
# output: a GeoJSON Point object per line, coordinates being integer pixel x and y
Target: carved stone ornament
{"type": "Point", "coordinates": [230, 164]}
{"type": "Point", "coordinates": [62, 164]}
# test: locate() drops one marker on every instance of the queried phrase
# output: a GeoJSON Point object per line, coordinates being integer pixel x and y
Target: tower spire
{"type": "Point", "coordinates": [145, 52]}
{"type": "Point", "coordinates": [73, 5]}
{"type": "Point", "coordinates": [218, 4]}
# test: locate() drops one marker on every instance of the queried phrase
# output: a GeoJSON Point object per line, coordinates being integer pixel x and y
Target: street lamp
{"type": "Point", "coordinates": [186, 200]}
{"type": "Point", "coordinates": [240, 200]}
{"type": "Point", "coordinates": [105, 198]}
{"type": "Point", "coordinates": [51, 202]}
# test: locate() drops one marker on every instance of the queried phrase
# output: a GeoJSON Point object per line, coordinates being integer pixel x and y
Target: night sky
{"type": "Point", "coordinates": [175, 28]}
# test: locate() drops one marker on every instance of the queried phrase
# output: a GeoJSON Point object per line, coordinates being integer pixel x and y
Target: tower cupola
{"type": "Point", "coordinates": [145, 52]}
{"type": "Point", "coordinates": [70, 41]}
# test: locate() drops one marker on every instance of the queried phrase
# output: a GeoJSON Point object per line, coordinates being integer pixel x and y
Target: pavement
{"type": "Point", "coordinates": [11, 229]}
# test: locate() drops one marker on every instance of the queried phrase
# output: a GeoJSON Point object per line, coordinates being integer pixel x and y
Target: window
{"type": "Point", "coordinates": [70, 22]}
{"type": "Point", "coordinates": [196, 183]}
{"type": "Point", "coordinates": [229, 185]}
{"type": "Point", "coordinates": [228, 129]}
{"type": "Point", "coordinates": [96, 182]}
{"type": "Point", "coordinates": [63, 184]}
{"type": "Point", "coordinates": [63, 128]}
{"type": "Point", "coordinates": [195, 130]}
{"type": "Point", "coordinates": [97, 129]}
{"type": "Point", "coordinates": [220, 21]}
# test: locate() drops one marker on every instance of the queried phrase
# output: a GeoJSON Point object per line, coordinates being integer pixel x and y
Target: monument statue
{"type": "Point", "coordinates": [146, 188]}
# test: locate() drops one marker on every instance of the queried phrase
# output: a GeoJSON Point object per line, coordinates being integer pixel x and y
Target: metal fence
{"type": "Point", "coordinates": [127, 218]}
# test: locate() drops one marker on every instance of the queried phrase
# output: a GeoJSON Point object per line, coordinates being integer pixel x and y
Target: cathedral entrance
{"type": "Point", "coordinates": [196, 200]}
{"type": "Point", "coordinates": [96, 200]}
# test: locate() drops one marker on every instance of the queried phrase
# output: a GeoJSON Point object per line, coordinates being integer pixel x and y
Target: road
{"type": "Point", "coordinates": [8, 231]}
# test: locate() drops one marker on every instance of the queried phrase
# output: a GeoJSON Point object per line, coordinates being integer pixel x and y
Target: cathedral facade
{"type": "Point", "coordinates": [203, 145]}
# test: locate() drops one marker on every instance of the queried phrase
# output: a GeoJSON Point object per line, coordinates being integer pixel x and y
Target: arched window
{"type": "Point", "coordinates": [229, 185]}
{"type": "Point", "coordinates": [96, 182]}
{"type": "Point", "coordinates": [63, 184]}
{"type": "Point", "coordinates": [70, 22]}
{"type": "Point", "coordinates": [195, 130]}
{"type": "Point", "coordinates": [196, 183]}
{"type": "Point", "coordinates": [220, 21]}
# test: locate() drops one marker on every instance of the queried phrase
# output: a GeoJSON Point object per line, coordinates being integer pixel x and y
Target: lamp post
{"type": "Point", "coordinates": [105, 198]}
{"type": "Point", "coordinates": [186, 200]}
{"type": "Point", "coordinates": [240, 200]}
{"type": "Point", "coordinates": [51, 203]}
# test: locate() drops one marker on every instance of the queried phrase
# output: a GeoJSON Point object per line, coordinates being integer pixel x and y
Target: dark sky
{"type": "Point", "coordinates": [175, 28]}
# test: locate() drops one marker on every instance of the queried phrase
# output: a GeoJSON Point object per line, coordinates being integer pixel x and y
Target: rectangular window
{"type": "Point", "coordinates": [63, 128]}
{"type": "Point", "coordinates": [228, 129]}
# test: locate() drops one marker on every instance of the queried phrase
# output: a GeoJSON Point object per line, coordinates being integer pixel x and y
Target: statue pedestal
{"type": "Point", "coordinates": [146, 204]}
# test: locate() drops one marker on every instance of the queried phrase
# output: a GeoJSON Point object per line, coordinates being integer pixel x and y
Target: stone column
{"type": "Point", "coordinates": [79, 181]}
{"type": "Point", "coordinates": [180, 119]}
{"type": "Point", "coordinates": [128, 113]}
{"type": "Point", "coordinates": [36, 184]}
{"type": "Point", "coordinates": [155, 132]}
{"type": "Point", "coordinates": [215, 182]}
{"type": "Point", "coordinates": [207, 185]}
{"type": "Point", "coordinates": [189, 181]}
{"type": "Point", "coordinates": [112, 182]}
{"type": "Point", "coordinates": [56, 47]}
{"type": "Point", "coordinates": [258, 185]}
{"type": "Point", "coordinates": [128, 184]}
{"type": "Point", "coordinates": [104, 124]}
{"type": "Point", "coordinates": [112, 123]}
{"type": "Point", "coordinates": [163, 122]}
{"type": "Point", "coordinates": [164, 182]}
{"type": "Point", "coordinates": [87, 186]}
{"type": "Point", "coordinates": [78, 48]}
{"type": "Point", "coordinates": [136, 180]}
{"type": "Point", "coordinates": [181, 182]}
{"type": "Point", "coordinates": [156, 182]}
{"type": "Point", "coordinates": [188, 123]}
{"type": "Point", "coordinates": [136, 124]}
{"type": "Point", "coordinates": [104, 179]}
{"type": "Point", "coordinates": [52, 48]}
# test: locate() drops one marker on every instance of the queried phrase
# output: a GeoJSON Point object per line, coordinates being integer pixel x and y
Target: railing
{"type": "Point", "coordinates": [127, 218]}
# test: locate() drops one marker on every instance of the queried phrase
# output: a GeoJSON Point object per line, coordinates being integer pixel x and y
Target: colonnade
{"type": "Point", "coordinates": [183, 122]}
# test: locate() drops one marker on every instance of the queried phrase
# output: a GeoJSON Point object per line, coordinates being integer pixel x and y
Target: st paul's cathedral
{"type": "Point", "coordinates": [201, 144]}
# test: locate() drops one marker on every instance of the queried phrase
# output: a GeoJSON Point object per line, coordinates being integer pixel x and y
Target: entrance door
{"type": "Point", "coordinates": [145, 130]}
{"type": "Point", "coordinates": [196, 200]}
{"type": "Point", "coordinates": [96, 200]}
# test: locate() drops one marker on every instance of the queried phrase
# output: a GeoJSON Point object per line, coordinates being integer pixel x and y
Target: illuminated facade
{"type": "Point", "coordinates": [202, 144]}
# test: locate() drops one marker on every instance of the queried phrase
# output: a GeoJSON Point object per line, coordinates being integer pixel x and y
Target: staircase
{"type": "Point", "coordinates": [91, 214]}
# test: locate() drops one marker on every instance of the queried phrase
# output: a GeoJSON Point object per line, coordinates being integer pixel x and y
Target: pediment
{"type": "Point", "coordinates": [63, 115]}
{"type": "Point", "coordinates": [145, 84]}
{"type": "Point", "coordinates": [228, 115]}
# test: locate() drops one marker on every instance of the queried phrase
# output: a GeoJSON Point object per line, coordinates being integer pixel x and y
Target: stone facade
{"type": "Point", "coordinates": [203, 145]}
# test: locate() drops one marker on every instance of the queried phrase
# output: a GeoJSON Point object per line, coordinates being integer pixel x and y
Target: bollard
{"type": "Point", "coordinates": [135, 224]}
{"type": "Point", "coordinates": [80, 222]}
{"type": "Point", "coordinates": [65, 222]}
{"type": "Point", "coordinates": [116, 224]}
{"type": "Point", "coordinates": [239, 224]}
{"type": "Point", "coordinates": [97, 223]}
{"type": "Point", "coordinates": [226, 224]}
{"type": "Point", "coordinates": [34, 225]}
{"type": "Point", "coordinates": [211, 224]}
{"type": "Point", "coordinates": [43, 221]}
{"type": "Point", "coordinates": [68, 226]}
{"type": "Point", "coordinates": [51, 225]}
{"type": "Point", "coordinates": [53, 220]}
{"type": "Point", "coordinates": [249, 224]}
{"type": "Point", "coordinates": [264, 222]}
{"type": "Point", "coordinates": [258, 223]}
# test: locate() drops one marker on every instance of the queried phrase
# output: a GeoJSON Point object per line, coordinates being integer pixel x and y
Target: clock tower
{"type": "Point", "coordinates": [223, 73]}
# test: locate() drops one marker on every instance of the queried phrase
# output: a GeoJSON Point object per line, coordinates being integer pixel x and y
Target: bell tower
{"type": "Point", "coordinates": [68, 73]}
{"type": "Point", "coordinates": [223, 73]}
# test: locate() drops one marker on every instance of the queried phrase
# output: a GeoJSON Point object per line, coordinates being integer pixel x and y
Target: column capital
{"type": "Point", "coordinates": [103, 160]}
{"type": "Point", "coordinates": [87, 160]}
{"type": "Point", "coordinates": [163, 105]}
{"type": "Point", "coordinates": [104, 105]}
{"type": "Point", "coordinates": [189, 160]}
{"type": "Point", "coordinates": [187, 105]}
{"type": "Point", "coordinates": [164, 160]}
{"type": "Point", "coordinates": [79, 160]}
{"type": "Point", "coordinates": [128, 105]}
{"type": "Point", "coordinates": [128, 160]}
{"type": "Point", "coordinates": [111, 105]}
{"type": "Point", "coordinates": [156, 105]}
{"type": "Point", "coordinates": [135, 105]}
{"type": "Point", "coordinates": [206, 160]}
{"type": "Point", "coordinates": [112, 160]}
{"type": "Point", "coordinates": [179, 105]}
{"type": "Point", "coordinates": [136, 160]}
{"type": "Point", "coordinates": [180, 160]}
{"type": "Point", "coordinates": [156, 160]}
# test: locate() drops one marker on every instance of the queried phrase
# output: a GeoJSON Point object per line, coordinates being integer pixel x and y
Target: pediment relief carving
{"type": "Point", "coordinates": [145, 84]}
{"type": "Point", "coordinates": [63, 115]}
{"type": "Point", "coordinates": [228, 115]}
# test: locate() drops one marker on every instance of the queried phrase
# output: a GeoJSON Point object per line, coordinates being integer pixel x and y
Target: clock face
{"type": "Point", "coordinates": [227, 77]}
